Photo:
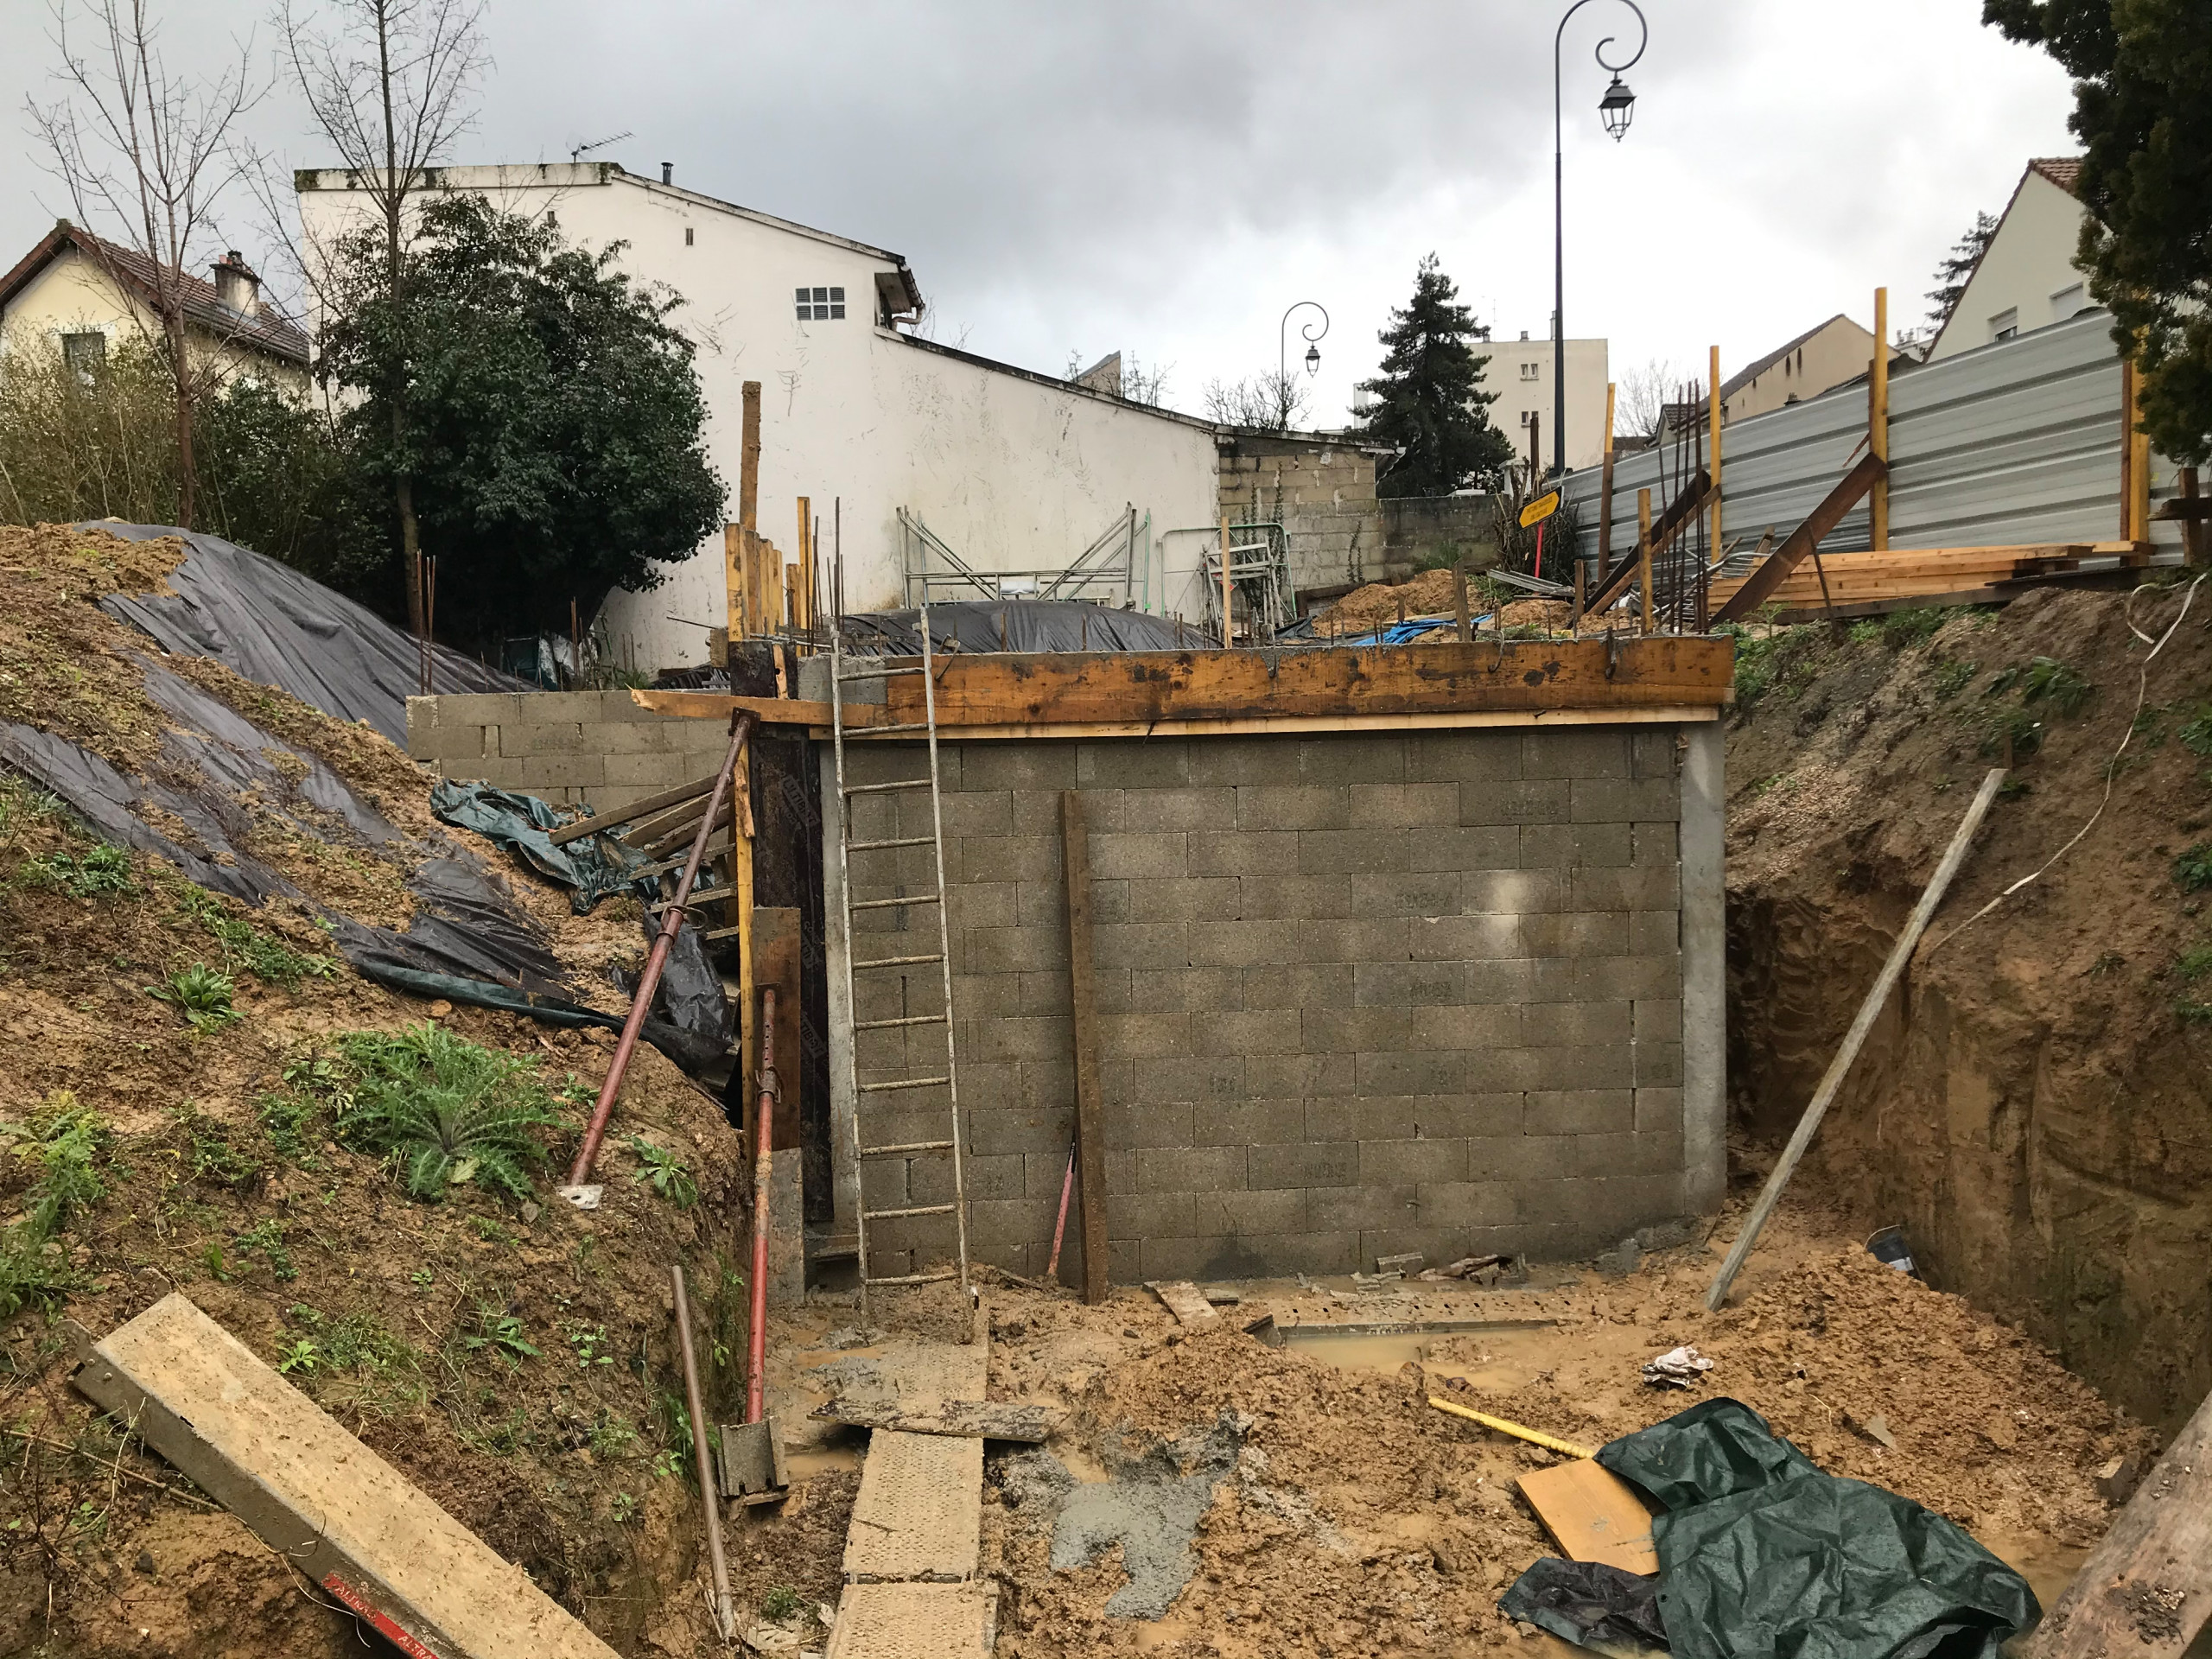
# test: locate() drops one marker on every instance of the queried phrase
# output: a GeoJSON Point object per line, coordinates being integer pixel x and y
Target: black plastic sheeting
{"type": "Point", "coordinates": [1762, 1556]}
{"type": "Point", "coordinates": [274, 626]}
{"type": "Point", "coordinates": [1022, 625]}
{"type": "Point", "coordinates": [1592, 1604]}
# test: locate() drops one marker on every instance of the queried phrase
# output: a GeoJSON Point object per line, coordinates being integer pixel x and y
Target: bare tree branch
{"type": "Point", "coordinates": [1270, 402]}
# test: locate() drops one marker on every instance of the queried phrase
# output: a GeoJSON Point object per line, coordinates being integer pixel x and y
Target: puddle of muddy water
{"type": "Point", "coordinates": [1502, 1356]}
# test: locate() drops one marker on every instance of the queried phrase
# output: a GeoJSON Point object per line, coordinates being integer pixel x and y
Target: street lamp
{"type": "Point", "coordinates": [1309, 333]}
{"type": "Point", "coordinates": [1616, 108]}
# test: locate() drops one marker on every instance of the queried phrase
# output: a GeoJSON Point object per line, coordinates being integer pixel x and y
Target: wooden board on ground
{"type": "Point", "coordinates": [316, 1496]}
{"type": "Point", "coordinates": [1185, 1302]}
{"type": "Point", "coordinates": [915, 1621]}
{"type": "Point", "coordinates": [919, 1514]}
{"type": "Point", "coordinates": [1593, 1514]}
{"type": "Point", "coordinates": [988, 1419]}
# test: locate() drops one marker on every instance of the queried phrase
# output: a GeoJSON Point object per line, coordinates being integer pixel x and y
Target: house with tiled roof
{"type": "Point", "coordinates": [86, 297]}
{"type": "Point", "coordinates": [2026, 278]}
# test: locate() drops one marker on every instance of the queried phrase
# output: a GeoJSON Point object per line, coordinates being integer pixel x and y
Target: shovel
{"type": "Point", "coordinates": [752, 1457]}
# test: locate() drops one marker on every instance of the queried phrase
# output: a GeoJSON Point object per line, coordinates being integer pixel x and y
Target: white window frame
{"type": "Point", "coordinates": [2004, 325]}
{"type": "Point", "coordinates": [820, 303]}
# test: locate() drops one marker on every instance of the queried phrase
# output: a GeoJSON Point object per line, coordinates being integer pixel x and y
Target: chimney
{"type": "Point", "coordinates": [236, 289]}
{"type": "Point", "coordinates": [668, 172]}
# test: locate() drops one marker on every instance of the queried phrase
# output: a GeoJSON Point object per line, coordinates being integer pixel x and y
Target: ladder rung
{"type": "Point", "coordinates": [879, 789]}
{"type": "Point", "coordinates": [903, 1083]}
{"type": "Point", "coordinates": [917, 1209]}
{"type": "Point", "coordinates": [699, 896]}
{"type": "Point", "coordinates": [893, 903]}
{"type": "Point", "coordinates": [906, 1147]}
{"type": "Point", "coordinates": [874, 674]}
{"type": "Point", "coordinates": [899, 962]}
{"type": "Point", "coordinates": [878, 731]}
{"type": "Point", "coordinates": [908, 1020]}
{"type": "Point", "coordinates": [916, 1278]}
{"type": "Point", "coordinates": [873, 846]}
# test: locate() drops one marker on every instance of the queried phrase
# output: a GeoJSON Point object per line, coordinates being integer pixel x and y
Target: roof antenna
{"type": "Point", "coordinates": [582, 150]}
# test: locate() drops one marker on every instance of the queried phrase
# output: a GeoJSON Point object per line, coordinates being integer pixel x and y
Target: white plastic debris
{"type": "Point", "coordinates": [1675, 1368]}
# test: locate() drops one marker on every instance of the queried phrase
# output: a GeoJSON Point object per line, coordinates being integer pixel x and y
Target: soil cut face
{"type": "Point", "coordinates": [2033, 1105]}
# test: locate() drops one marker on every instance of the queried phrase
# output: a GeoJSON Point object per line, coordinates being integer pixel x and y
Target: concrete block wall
{"type": "Point", "coordinates": [1322, 494]}
{"type": "Point", "coordinates": [1357, 994]}
{"type": "Point", "coordinates": [564, 747]}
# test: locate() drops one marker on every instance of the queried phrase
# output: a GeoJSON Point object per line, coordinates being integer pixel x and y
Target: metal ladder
{"type": "Point", "coordinates": [863, 1092]}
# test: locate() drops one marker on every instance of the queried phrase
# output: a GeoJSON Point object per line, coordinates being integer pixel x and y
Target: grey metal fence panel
{"type": "Point", "coordinates": [2012, 444]}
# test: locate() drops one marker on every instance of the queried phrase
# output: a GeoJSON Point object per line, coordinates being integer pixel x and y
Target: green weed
{"type": "Point", "coordinates": [779, 1603]}
{"type": "Point", "coordinates": [623, 1507]}
{"type": "Point", "coordinates": [1782, 660]}
{"type": "Point", "coordinates": [101, 872]}
{"type": "Point", "coordinates": [298, 1358]}
{"type": "Point", "coordinates": [266, 1238]}
{"type": "Point", "coordinates": [670, 1175]}
{"type": "Point", "coordinates": [200, 994]}
{"type": "Point", "coordinates": [2193, 869]}
{"type": "Point", "coordinates": [444, 1111]}
{"type": "Point", "coordinates": [1902, 630]}
{"type": "Point", "coordinates": [2009, 728]}
{"type": "Point", "coordinates": [500, 1335]}
{"type": "Point", "coordinates": [216, 1161]}
{"type": "Point", "coordinates": [2195, 964]}
{"type": "Point", "coordinates": [246, 946]}
{"type": "Point", "coordinates": [285, 1120]}
{"type": "Point", "coordinates": [2052, 681]}
{"type": "Point", "coordinates": [1953, 677]}
{"type": "Point", "coordinates": [62, 1143]}
{"type": "Point", "coordinates": [612, 1435]}
{"type": "Point", "coordinates": [2193, 1012]}
{"type": "Point", "coordinates": [589, 1344]}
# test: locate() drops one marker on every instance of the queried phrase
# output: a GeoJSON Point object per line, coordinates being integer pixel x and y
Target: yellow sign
{"type": "Point", "coordinates": [1539, 510]}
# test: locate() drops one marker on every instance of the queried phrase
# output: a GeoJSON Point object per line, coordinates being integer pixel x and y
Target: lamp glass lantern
{"type": "Point", "coordinates": [1618, 108]}
{"type": "Point", "coordinates": [1312, 359]}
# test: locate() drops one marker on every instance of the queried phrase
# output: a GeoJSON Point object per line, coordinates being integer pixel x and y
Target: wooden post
{"type": "Point", "coordinates": [2159, 1548]}
{"type": "Point", "coordinates": [749, 468]}
{"type": "Point", "coordinates": [1460, 595]}
{"type": "Point", "coordinates": [732, 583]}
{"type": "Point", "coordinates": [737, 538]}
{"type": "Point", "coordinates": [2135, 466]}
{"type": "Point", "coordinates": [802, 584]}
{"type": "Point", "coordinates": [1575, 622]}
{"type": "Point", "coordinates": [1225, 635]}
{"type": "Point", "coordinates": [1712, 439]}
{"type": "Point", "coordinates": [1643, 551]}
{"type": "Point", "coordinates": [2128, 448]}
{"type": "Point", "coordinates": [1090, 1108]}
{"type": "Point", "coordinates": [1605, 496]}
{"type": "Point", "coordinates": [1853, 1040]}
{"type": "Point", "coordinates": [1877, 419]}
{"type": "Point", "coordinates": [2192, 529]}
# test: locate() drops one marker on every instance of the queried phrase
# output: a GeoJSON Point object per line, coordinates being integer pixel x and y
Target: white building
{"type": "Point", "coordinates": [1013, 471]}
{"type": "Point", "coordinates": [2026, 278]}
{"type": "Point", "coordinates": [1520, 372]}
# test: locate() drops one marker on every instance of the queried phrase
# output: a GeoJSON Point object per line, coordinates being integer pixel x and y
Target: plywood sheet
{"type": "Point", "coordinates": [1593, 1514]}
{"type": "Point", "coordinates": [915, 1621]}
{"type": "Point", "coordinates": [920, 1512]}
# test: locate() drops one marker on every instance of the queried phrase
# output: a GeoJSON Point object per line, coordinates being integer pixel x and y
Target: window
{"type": "Point", "coordinates": [2069, 302]}
{"type": "Point", "coordinates": [820, 304]}
{"type": "Point", "coordinates": [2004, 325]}
{"type": "Point", "coordinates": [84, 355]}
{"type": "Point", "coordinates": [1530, 370]}
{"type": "Point", "coordinates": [686, 236]}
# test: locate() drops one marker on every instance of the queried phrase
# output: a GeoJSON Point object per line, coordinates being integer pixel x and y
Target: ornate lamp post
{"type": "Point", "coordinates": [1616, 108]}
{"type": "Point", "coordinates": [1310, 333]}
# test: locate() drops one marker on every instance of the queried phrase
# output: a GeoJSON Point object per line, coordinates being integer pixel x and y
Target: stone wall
{"type": "Point", "coordinates": [563, 746]}
{"type": "Point", "coordinates": [1357, 995]}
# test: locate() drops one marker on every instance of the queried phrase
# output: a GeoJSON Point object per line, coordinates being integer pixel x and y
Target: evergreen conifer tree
{"type": "Point", "coordinates": [1430, 405]}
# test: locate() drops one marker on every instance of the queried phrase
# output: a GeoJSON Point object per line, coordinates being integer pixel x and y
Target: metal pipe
{"type": "Point", "coordinates": [764, 1144]}
{"type": "Point", "coordinates": [709, 1497]}
{"type": "Point", "coordinates": [741, 726]}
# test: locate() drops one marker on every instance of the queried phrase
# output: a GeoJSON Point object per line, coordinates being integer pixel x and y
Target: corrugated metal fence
{"type": "Point", "coordinates": [2014, 444]}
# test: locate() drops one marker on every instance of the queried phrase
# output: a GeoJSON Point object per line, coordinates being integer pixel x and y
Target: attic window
{"type": "Point", "coordinates": [2004, 325]}
{"type": "Point", "coordinates": [820, 304]}
{"type": "Point", "coordinates": [84, 355]}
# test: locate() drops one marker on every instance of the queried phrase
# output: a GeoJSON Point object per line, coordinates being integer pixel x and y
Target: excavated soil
{"type": "Point", "coordinates": [2034, 1106]}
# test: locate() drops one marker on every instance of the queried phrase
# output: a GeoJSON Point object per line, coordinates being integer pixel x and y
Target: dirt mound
{"type": "Point", "coordinates": [1430, 594]}
{"type": "Point", "coordinates": [2033, 1106]}
{"type": "Point", "coordinates": [177, 1114]}
{"type": "Point", "coordinates": [1359, 1519]}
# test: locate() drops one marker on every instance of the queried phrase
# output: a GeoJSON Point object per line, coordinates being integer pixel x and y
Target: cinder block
{"type": "Point", "coordinates": [1241, 1032]}
{"type": "Point", "coordinates": [1658, 844]}
{"type": "Point", "coordinates": [1045, 764]}
{"type": "Point", "coordinates": [1468, 846]}
{"type": "Point", "coordinates": [1008, 1221]}
{"type": "Point", "coordinates": [973, 812]}
{"type": "Point", "coordinates": [1132, 763]}
{"type": "Point", "coordinates": [1130, 1127]}
{"type": "Point", "coordinates": [1571, 1024]}
{"type": "Point", "coordinates": [1593, 1066]}
{"type": "Point", "coordinates": [1404, 806]}
{"type": "Point", "coordinates": [549, 737]}
{"type": "Point", "coordinates": [1144, 1036]}
{"type": "Point", "coordinates": [1641, 887]}
{"type": "Point", "coordinates": [1658, 1020]}
{"type": "Point", "coordinates": [1396, 1163]}
{"type": "Point", "coordinates": [1274, 1077]}
{"type": "Point", "coordinates": [1121, 1173]}
{"type": "Point", "coordinates": [1655, 933]}
{"type": "Point", "coordinates": [1200, 1079]}
{"type": "Point", "coordinates": [1658, 1111]}
{"type": "Point", "coordinates": [1579, 1112]}
{"type": "Point", "coordinates": [1409, 984]}
{"type": "Point", "coordinates": [1150, 1215]}
{"type": "Point", "coordinates": [1242, 852]}
{"type": "Point", "coordinates": [1589, 752]}
{"type": "Point", "coordinates": [645, 773]}
{"type": "Point", "coordinates": [1467, 1118]}
{"type": "Point", "coordinates": [637, 737]}
{"type": "Point", "coordinates": [1292, 806]}
{"type": "Point", "coordinates": [1354, 1209]}
{"type": "Point", "coordinates": [539, 772]}
{"type": "Point", "coordinates": [1623, 800]}
{"type": "Point", "coordinates": [1577, 933]}
{"type": "Point", "coordinates": [1362, 758]}
{"type": "Point", "coordinates": [1249, 1123]}
{"type": "Point", "coordinates": [1043, 1173]}
{"type": "Point", "coordinates": [1141, 945]}
{"type": "Point", "coordinates": [1181, 990]}
{"type": "Point", "coordinates": [1487, 936]}
{"type": "Point", "coordinates": [1363, 1117]}
{"type": "Point", "coordinates": [1191, 1169]}
{"type": "Point", "coordinates": [1298, 986]}
{"type": "Point", "coordinates": [1659, 1065]}
{"type": "Point", "coordinates": [1309, 1165]}
{"type": "Point", "coordinates": [1352, 852]}
{"type": "Point", "coordinates": [1244, 945]}
{"type": "Point", "coordinates": [1472, 756]}
{"type": "Point", "coordinates": [1185, 898]}
{"type": "Point", "coordinates": [1463, 1204]}
{"type": "Point", "coordinates": [1553, 845]}
{"type": "Point", "coordinates": [1170, 1258]}
{"type": "Point", "coordinates": [1154, 811]}
{"type": "Point", "coordinates": [1279, 1254]}
{"type": "Point", "coordinates": [1358, 939]}
{"type": "Point", "coordinates": [1545, 800]}
{"type": "Point", "coordinates": [1003, 1038]}
{"type": "Point", "coordinates": [1037, 811]}
{"type": "Point", "coordinates": [1293, 898]}
{"type": "Point", "coordinates": [980, 905]}
{"type": "Point", "coordinates": [1499, 1072]}
{"type": "Point", "coordinates": [1466, 1025]}
{"type": "Point", "coordinates": [1512, 892]}
{"type": "Point", "coordinates": [1278, 1211]}
{"type": "Point", "coordinates": [1004, 858]}
{"type": "Point", "coordinates": [1629, 979]}
{"type": "Point", "coordinates": [1431, 1072]}
{"type": "Point", "coordinates": [1151, 857]}
{"type": "Point", "coordinates": [995, 1176]}
{"type": "Point", "coordinates": [1219, 761]}
{"type": "Point", "coordinates": [1333, 1028]}
{"type": "Point", "coordinates": [1007, 949]}
{"type": "Point", "coordinates": [1434, 893]}
{"type": "Point", "coordinates": [998, 1130]}
{"type": "Point", "coordinates": [1609, 1207]}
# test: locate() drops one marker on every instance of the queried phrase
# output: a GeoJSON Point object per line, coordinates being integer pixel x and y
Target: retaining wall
{"type": "Point", "coordinates": [596, 747]}
{"type": "Point", "coordinates": [1357, 994]}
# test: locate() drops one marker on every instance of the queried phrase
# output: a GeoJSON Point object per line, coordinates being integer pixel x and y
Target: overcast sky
{"type": "Point", "coordinates": [1164, 177]}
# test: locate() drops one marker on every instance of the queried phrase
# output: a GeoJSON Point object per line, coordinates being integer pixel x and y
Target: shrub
{"type": "Point", "coordinates": [200, 994]}
{"type": "Point", "coordinates": [444, 1111]}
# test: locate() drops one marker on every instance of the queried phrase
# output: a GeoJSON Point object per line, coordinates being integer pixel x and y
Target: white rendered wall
{"type": "Point", "coordinates": [2028, 260]}
{"type": "Point", "coordinates": [1013, 473]}
{"type": "Point", "coordinates": [1520, 393]}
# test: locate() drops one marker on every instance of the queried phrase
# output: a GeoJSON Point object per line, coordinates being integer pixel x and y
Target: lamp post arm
{"type": "Point", "coordinates": [1309, 334]}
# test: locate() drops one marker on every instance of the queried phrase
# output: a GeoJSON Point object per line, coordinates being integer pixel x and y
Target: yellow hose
{"type": "Point", "coordinates": [1505, 1427]}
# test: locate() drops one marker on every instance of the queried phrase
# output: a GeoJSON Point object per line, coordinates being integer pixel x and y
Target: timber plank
{"type": "Point", "coordinates": [982, 1420]}
{"type": "Point", "coordinates": [1593, 1514]}
{"type": "Point", "coordinates": [1778, 565]}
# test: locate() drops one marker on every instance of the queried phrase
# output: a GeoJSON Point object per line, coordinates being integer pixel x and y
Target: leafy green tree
{"type": "Point", "coordinates": [1429, 404]}
{"type": "Point", "coordinates": [2142, 76]}
{"type": "Point", "coordinates": [552, 429]}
